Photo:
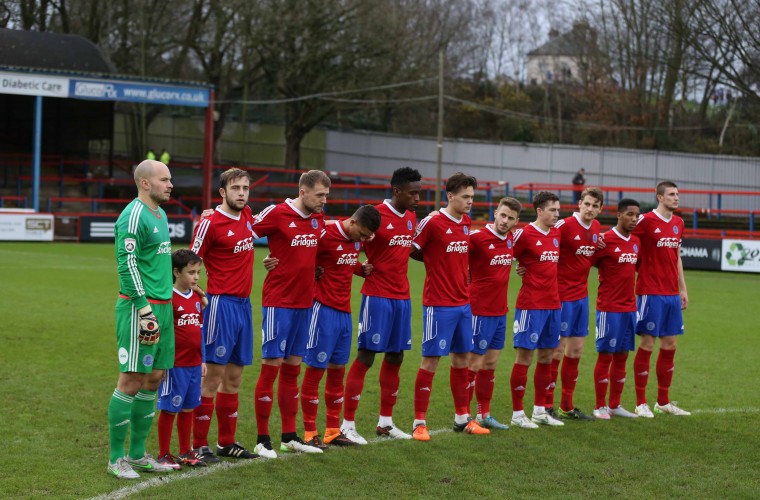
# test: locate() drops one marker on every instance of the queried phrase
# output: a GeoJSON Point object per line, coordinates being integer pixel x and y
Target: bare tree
{"type": "Point", "coordinates": [726, 33]}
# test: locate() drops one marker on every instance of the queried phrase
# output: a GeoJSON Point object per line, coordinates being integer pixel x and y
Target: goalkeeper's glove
{"type": "Point", "coordinates": [149, 331]}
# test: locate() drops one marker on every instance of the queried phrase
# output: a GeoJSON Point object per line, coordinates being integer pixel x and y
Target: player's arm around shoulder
{"type": "Point", "coordinates": [202, 294]}
{"type": "Point", "coordinates": [421, 236]}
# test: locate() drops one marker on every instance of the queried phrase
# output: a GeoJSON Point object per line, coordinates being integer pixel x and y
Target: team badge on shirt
{"type": "Point", "coordinates": [466, 230]}
{"type": "Point", "coordinates": [635, 248]}
{"type": "Point", "coordinates": [556, 243]}
{"type": "Point", "coordinates": [129, 244]}
{"type": "Point", "coordinates": [198, 306]}
{"type": "Point", "coordinates": [509, 243]}
{"type": "Point", "coordinates": [357, 245]}
{"type": "Point", "coordinates": [675, 229]}
{"type": "Point", "coordinates": [314, 223]}
{"type": "Point", "coordinates": [409, 225]}
{"type": "Point", "coordinates": [595, 238]}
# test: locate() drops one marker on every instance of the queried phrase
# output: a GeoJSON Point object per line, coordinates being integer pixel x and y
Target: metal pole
{"type": "Point", "coordinates": [439, 165]}
{"type": "Point", "coordinates": [37, 153]}
{"type": "Point", "coordinates": [208, 152]}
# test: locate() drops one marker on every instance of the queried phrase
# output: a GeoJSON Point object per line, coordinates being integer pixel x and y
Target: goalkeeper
{"type": "Point", "coordinates": [144, 319]}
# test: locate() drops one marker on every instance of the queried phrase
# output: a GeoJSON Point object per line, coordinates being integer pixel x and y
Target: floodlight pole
{"type": "Point", "coordinates": [37, 153]}
{"type": "Point", "coordinates": [439, 164]}
{"type": "Point", "coordinates": [208, 152]}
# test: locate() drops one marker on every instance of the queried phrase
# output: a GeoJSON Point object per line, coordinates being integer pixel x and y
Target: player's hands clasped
{"type": "Point", "coordinates": [149, 330]}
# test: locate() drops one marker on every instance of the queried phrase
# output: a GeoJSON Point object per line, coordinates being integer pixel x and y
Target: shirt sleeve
{"type": "Point", "coordinates": [128, 245]}
{"type": "Point", "coordinates": [421, 235]}
{"type": "Point", "coordinates": [265, 223]}
{"type": "Point", "coordinates": [202, 238]}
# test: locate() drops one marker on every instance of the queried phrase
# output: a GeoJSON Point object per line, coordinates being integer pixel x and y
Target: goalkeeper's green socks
{"type": "Point", "coordinates": [143, 411]}
{"type": "Point", "coordinates": [119, 415]}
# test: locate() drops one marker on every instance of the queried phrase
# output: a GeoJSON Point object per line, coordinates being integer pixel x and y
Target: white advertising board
{"type": "Point", "coordinates": [26, 227]}
{"type": "Point", "coordinates": [25, 84]}
{"type": "Point", "coordinates": [741, 255]}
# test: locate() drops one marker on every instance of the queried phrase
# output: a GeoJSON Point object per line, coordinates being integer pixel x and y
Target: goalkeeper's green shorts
{"type": "Point", "coordinates": [135, 357]}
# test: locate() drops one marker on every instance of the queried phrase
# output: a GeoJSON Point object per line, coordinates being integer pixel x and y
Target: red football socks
{"type": "Point", "coordinates": [423, 386]}
{"type": "Point", "coordinates": [541, 380]}
{"type": "Point", "coordinates": [569, 377]}
{"type": "Point", "coordinates": [184, 426]}
{"type": "Point", "coordinates": [641, 374]}
{"type": "Point", "coordinates": [602, 378]}
{"type": "Point", "coordinates": [553, 374]}
{"type": "Point", "coordinates": [471, 376]}
{"type": "Point", "coordinates": [617, 377]}
{"type": "Point", "coordinates": [354, 388]}
{"type": "Point", "coordinates": [310, 397]}
{"type": "Point", "coordinates": [202, 421]}
{"type": "Point", "coordinates": [458, 382]}
{"type": "Point", "coordinates": [484, 382]}
{"type": "Point", "coordinates": [517, 382]}
{"type": "Point", "coordinates": [334, 396]}
{"type": "Point", "coordinates": [665, 368]}
{"type": "Point", "coordinates": [263, 397]}
{"type": "Point", "coordinates": [389, 382]}
{"type": "Point", "coordinates": [287, 396]}
{"type": "Point", "coordinates": [226, 417]}
{"type": "Point", "coordinates": [165, 425]}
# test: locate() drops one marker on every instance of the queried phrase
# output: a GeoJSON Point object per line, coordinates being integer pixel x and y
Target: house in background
{"type": "Point", "coordinates": [565, 58]}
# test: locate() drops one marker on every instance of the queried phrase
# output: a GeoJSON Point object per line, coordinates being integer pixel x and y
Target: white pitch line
{"type": "Point", "coordinates": [727, 410]}
{"type": "Point", "coordinates": [200, 472]}
{"type": "Point", "coordinates": [167, 478]}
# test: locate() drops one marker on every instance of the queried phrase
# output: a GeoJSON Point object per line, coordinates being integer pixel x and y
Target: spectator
{"type": "Point", "coordinates": [578, 181]}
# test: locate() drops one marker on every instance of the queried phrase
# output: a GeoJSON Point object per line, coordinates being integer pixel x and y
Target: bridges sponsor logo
{"type": "Point", "coordinates": [669, 242]}
{"type": "Point", "coordinates": [304, 240]}
{"type": "Point", "coordinates": [585, 250]}
{"type": "Point", "coordinates": [244, 245]}
{"type": "Point", "coordinates": [457, 247]}
{"type": "Point", "coordinates": [348, 259]}
{"type": "Point", "coordinates": [189, 319]}
{"type": "Point", "coordinates": [629, 258]}
{"type": "Point", "coordinates": [501, 260]}
{"type": "Point", "coordinates": [400, 240]}
{"type": "Point", "coordinates": [550, 256]}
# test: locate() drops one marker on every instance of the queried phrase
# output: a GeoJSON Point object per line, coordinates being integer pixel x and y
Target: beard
{"type": "Point", "coordinates": [234, 204]}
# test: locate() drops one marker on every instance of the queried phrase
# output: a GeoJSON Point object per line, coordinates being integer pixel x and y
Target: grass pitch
{"type": "Point", "coordinates": [59, 369]}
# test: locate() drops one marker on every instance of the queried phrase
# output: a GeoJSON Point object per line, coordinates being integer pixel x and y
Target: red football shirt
{"type": "Point", "coordinates": [225, 243]}
{"type": "Point", "coordinates": [617, 272]}
{"type": "Point", "coordinates": [538, 252]}
{"type": "Point", "coordinates": [577, 244]}
{"type": "Point", "coordinates": [187, 328]}
{"type": "Point", "coordinates": [339, 257]}
{"type": "Point", "coordinates": [490, 264]}
{"type": "Point", "coordinates": [444, 242]}
{"type": "Point", "coordinates": [388, 252]}
{"type": "Point", "coordinates": [293, 237]}
{"type": "Point", "coordinates": [660, 249]}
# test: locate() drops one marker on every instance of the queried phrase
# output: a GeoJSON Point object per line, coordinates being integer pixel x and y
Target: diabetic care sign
{"type": "Point", "coordinates": [26, 84]}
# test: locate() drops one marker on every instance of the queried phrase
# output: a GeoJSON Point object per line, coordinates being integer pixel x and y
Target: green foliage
{"type": "Point", "coordinates": [59, 369]}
